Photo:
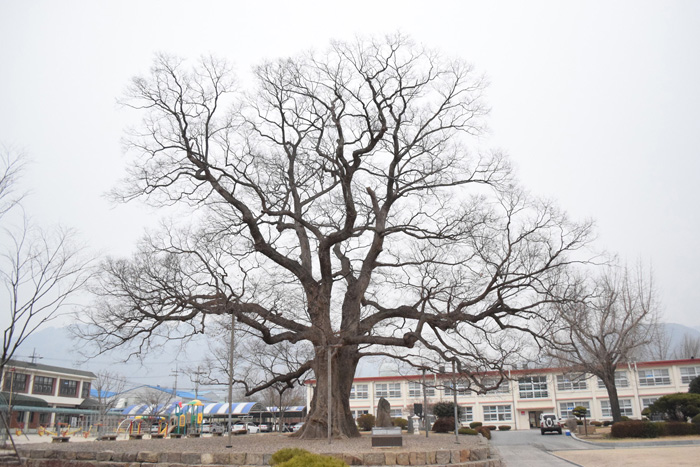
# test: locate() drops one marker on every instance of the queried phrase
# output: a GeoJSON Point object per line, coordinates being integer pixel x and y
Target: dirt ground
{"type": "Point", "coordinates": [638, 457]}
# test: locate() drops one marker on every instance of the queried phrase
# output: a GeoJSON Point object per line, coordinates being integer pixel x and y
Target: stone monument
{"type": "Point", "coordinates": [383, 414]}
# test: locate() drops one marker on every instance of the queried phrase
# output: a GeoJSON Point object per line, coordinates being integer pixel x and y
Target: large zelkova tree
{"type": "Point", "coordinates": [41, 269]}
{"type": "Point", "coordinates": [613, 318]}
{"type": "Point", "coordinates": [335, 203]}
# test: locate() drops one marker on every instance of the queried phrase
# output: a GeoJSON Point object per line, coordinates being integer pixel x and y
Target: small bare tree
{"type": "Point", "coordinates": [107, 386]}
{"type": "Point", "coordinates": [689, 347]}
{"type": "Point", "coordinates": [41, 270]}
{"type": "Point", "coordinates": [612, 318]}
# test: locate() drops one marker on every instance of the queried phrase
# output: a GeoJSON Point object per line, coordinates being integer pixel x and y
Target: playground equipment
{"type": "Point", "coordinates": [189, 418]}
{"type": "Point", "coordinates": [43, 431]}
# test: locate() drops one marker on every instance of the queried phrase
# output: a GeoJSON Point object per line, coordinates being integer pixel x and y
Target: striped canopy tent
{"type": "Point", "coordinates": [238, 408]}
{"type": "Point", "coordinates": [147, 409]}
{"type": "Point", "coordinates": [291, 409]}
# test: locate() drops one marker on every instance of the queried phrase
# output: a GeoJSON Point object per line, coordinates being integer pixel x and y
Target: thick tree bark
{"type": "Point", "coordinates": [343, 365]}
{"type": "Point", "coordinates": [609, 382]}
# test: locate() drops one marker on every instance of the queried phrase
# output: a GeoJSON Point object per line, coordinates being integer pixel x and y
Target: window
{"type": "Point", "coordinates": [43, 385]}
{"type": "Point", "coordinates": [625, 408]}
{"type": "Point", "coordinates": [689, 373]}
{"type": "Point", "coordinates": [85, 393]}
{"type": "Point", "coordinates": [394, 389]}
{"type": "Point", "coordinates": [497, 413]}
{"type": "Point", "coordinates": [396, 413]}
{"type": "Point", "coordinates": [461, 389]}
{"type": "Point", "coordinates": [565, 408]}
{"type": "Point", "coordinates": [381, 390]}
{"type": "Point", "coordinates": [656, 377]}
{"type": "Point", "coordinates": [414, 389]}
{"type": "Point", "coordinates": [532, 387]}
{"type": "Point", "coordinates": [621, 380]}
{"type": "Point", "coordinates": [68, 388]}
{"type": "Point", "coordinates": [19, 382]}
{"type": "Point", "coordinates": [503, 388]}
{"type": "Point", "coordinates": [359, 391]}
{"type": "Point", "coordinates": [466, 414]}
{"type": "Point", "coordinates": [571, 382]}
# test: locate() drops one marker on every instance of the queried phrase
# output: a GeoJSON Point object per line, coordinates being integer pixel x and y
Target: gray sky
{"type": "Point", "coordinates": [598, 103]}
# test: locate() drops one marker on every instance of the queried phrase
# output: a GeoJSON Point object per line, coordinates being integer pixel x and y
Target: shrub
{"type": "Point", "coordinates": [694, 386]}
{"type": "Point", "coordinates": [579, 422]}
{"type": "Point", "coordinates": [283, 455]}
{"type": "Point", "coordinates": [365, 422]}
{"type": "Point", "coordinates": [475, 424]}
{"type": "Point", "coordinates": [696, 419]}
{"type": "Point", "coordinates": [491, 427]}
{"type": "Point", "coordinates": [485, 432]}
{"type": "Point", "coordinates": [444, 409]}
{"type": "Point", "coordinates": [503, 427]}
{"type": "Point", "coordinates": [677, 407]}
{"type": "Point", "coordinates": [607, 423]}
{"type": "Point", "coordinates": [679, 429]}
{"type": "Point", "coordinates": [444, 425]}
{"type": "Point", "coordinates": [637, 429]}
{"type": "Point", "coordinates": [596, 423]}
{"type": "Point", "coordinates": [398, 421]}
{"type": "Point", "coordinates": [313, 460]}
{"type": "Point", "coordinates": [625, 418]}
{"type": "Point", "coordinates": [467, 431]}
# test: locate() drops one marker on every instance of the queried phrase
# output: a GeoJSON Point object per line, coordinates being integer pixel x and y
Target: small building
{"type": "Point", "coordinates": [37, 393]}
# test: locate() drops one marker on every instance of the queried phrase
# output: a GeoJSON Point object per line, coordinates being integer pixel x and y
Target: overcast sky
{"type": "Point", "coordinates": [598, 103]}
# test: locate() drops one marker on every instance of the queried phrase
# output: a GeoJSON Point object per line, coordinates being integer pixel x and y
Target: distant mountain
{"type": "Point", "coordinates": [55, 346]}
{"type": "Point", "coordinates": [676, 333]}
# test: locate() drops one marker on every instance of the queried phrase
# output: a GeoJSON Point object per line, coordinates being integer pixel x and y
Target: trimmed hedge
{"type": "Point", "coordinates": [504, 427]}
{"type": "Point", "coordinates": [696, 419]}
{"type": "Point", "coordinates": [647, 429]}
{"type": "Point", "coordinates": [365, 422]}
{"type": "Point", "coordinates": [444, 425]}
{"type": "Point", "coordinates": [283, 455]}
{"type": "Point", "coordinates": [637, 429]}
{"type": "Point", "coordinates": [491, 427]}
{"type": "Point", "coordinates": [475, 424]}
{"type": "Point", "coordinates": [486, 433]}
{"type": "Point", "coordinates": [467, 431]}
{"type": "Point", "coordinates": [597, 423]}
{"type": "Point", "coordinates": [402, 422]}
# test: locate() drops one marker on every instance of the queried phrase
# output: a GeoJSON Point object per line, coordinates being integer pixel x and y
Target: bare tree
{"type": "Point", "coordinates": [613, 318]}
{"type": "Point", "coordinates": [659, 347]}
{"type": "Point", "coordinates": [689, 347]}
{"type": "Point", "coordinates": [41, 270]}
{"type": "Point", "coordinates": [107, 386]}
{"type": "Point", "coordinates": [336, 204]}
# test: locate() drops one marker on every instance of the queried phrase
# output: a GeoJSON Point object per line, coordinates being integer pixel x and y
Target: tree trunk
{"type": "Point", "coordinates": [343, 365]}
{"type": "Point", "coordinates": [609, 382]}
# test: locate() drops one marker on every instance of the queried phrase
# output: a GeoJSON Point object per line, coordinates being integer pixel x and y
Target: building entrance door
{"type": "Point", "coordinates": [534, 416]}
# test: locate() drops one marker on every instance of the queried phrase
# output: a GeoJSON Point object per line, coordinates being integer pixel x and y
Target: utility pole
{"type": "Point", "coordinates": [230, 378]}
{"type": "Point", "coordinates": [175, 386]}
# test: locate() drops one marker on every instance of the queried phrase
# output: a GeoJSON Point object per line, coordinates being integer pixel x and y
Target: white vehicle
{"type": "Point", "coordinates": [246, 427]}
{"type": "Point", "coordinates": [297, 426]}
{"type": "Point", "coordinates": [550, 422]}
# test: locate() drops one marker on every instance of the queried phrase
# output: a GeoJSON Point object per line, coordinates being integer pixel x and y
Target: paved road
{"type": "Point", "coordinates": [525, 448]}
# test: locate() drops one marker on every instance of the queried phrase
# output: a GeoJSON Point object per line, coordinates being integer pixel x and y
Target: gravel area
{"type": "Point", "coordinates": [259, 443]}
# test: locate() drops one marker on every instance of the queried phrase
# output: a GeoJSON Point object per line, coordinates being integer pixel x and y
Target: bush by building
{"type": "Point", "coordinates": [444, 425]}
{"type": "Point", "coordinates": [365, 422]}
{"type": "Point", "coordinates": [401, 422]}
{"type": "Point", "coordinates": [503, 427]}
{"type": "Point", "coordinates": [677, 407]}
{"type": "Point", "coordinates": [467, 431]}
{"type": "Point", "coordinates": [475, 424]}
{"type": "Point", "coordinates": [485, 432]}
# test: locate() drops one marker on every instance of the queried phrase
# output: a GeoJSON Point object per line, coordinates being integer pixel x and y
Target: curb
{"type": "Point", "coordinates": [637, 444]}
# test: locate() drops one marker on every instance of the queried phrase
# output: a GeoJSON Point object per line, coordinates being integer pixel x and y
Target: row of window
{"type": "Point", "coordinates": [492, 413]}
{"type": "Point", "coordinates": [529, 387]}
{"type": "Point", "coordinates": [44, 385]}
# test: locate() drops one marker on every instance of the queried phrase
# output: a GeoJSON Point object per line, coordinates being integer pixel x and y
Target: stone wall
{"type": "Point", "coordinates": [476, 457]}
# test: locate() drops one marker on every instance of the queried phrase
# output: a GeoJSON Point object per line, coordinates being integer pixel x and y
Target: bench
{"type": "Point", "coordinates": [176, 435]}
{"type": "Point", "coordinates": [60, 439]}
{"type": "Point", "coordinates": [193, 435]}
{"type": "Point", "coordinates": [107, 438]}
{"type": "Point", "coordinates": [387, 437]}
{"type": "Point", "coordinates": [136, 436]}
{"type": "Point", "coordinates": [157, 436]}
